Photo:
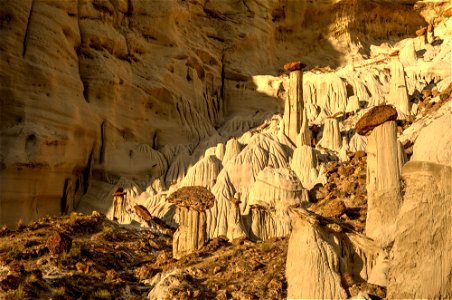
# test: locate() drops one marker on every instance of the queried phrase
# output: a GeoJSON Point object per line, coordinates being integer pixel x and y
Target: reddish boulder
{"type": "Point", "coordinates": [375, 117]}
{"type": "Point", "coordinates": [421, 31]}
{"type": "Point", "coordinates": [58, 243]}
{"type": "Point", "coordinates": [294, 66]}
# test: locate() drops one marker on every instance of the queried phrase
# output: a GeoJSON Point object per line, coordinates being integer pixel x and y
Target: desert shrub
{"type": "Point", "coordinates": [102, 294]}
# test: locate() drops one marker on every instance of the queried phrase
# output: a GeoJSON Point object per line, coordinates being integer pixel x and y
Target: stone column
{"type": "Point", "coordinates": [398, 92]}
{"type": "Point", "coordinates": [261, 223]}
{"type": "Point", "coordinates": [383, 172]}
{"type": "Point", "coordinates": [430, 34]}
{"type": "Point", "coordinates": [118, 205]}
{"type": "Point", "coordinates": [331, 137]}
{"type": "Point", "coordinates": [293, 109]}
{"type": "Point", "coordinates": [235, 225]}
{"type": "Point", "coordinates": [304, 137]}
{"type": "Point", "coordinates": [192, 203]}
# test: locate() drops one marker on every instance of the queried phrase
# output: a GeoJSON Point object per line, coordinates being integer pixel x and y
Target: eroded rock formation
{"type": "Point", "coordinates": [421, 266]}
{"type": "Point", "coordinates": [383, 172]}
{"type": "Point", "coordinates": [191, 235]}
{"type": "Point", "coordinates": [159, 74]}
{"type": "Point", "coordinates": [321, 253]}
{"type": "Point", "coordinates": [270, 197]}
{"type": "Point", "coordinates": [294, 106]}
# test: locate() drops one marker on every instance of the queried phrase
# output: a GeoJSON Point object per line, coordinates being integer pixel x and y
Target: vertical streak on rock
{"type": "Point", "coordinates": [63, 203]}
{"type": "Point", "coordinates": [24, 48]}
{"type": "Point", "coordinates": [102, 143]}
{"type": "Point", "coordinates": [222, 77]}
{"type": "Point", "coordinates": [87, 171]}
{"type": "Point", "coordinates": [85, 87]}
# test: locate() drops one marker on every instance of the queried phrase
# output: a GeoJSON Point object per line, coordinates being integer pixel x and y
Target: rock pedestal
{"type": "Point", "coordinates": [293, 109]}
{"type": "Point", "coordinates": [383, 173]}
{"type": "Point", "coordinates": [192, 203]}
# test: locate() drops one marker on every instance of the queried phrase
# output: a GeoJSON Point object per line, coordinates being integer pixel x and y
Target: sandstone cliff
{"type": "Point", "coordinates": [96, 90]}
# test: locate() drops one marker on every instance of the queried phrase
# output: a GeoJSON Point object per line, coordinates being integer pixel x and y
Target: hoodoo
{"type": "Point", "coordinates": [383, 173]}
{"type": "Point", "coordinates": [192, 203]}
{"type": "Point", "coordinates": [293, 109]}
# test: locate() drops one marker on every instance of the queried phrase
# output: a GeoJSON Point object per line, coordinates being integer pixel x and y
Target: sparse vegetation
{"type": "Point", "coordinates": [108, 233]}
{"type": "Point", "coordinates": [20, 292]}
{"type": "Point", "coordinates": [102, 294]}
{"type": "Point", "coordinates": [69, 258]}
{"type": "Point", "coordinates": [265, 247]}
{"type": "Point", "coordinates": [59, 291]}
{"type": "Point", "coordinates": [14, 253]}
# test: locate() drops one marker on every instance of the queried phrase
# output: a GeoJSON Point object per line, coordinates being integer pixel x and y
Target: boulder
{"type": "Point", "coordinates": [294, 66]}
{"type": "Point", "coordinates": [59, 243]}
{"type": "Point", "coordinates": [375, 117]}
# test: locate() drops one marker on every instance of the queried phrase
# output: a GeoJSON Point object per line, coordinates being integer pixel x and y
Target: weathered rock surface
{"type": "Point", "coordinates": [383, 182]}
{"type": "Point", "coordinates": [192, 203]}
{"type": "Point", "coordinates": [322, 254]}
{"type": "Point", "coordinates": [375, 117]}
{"type": "Point", "coordinates": [274, 191]}
{"type": "Point", "coordinates": [137, 76]}
{"type": "Point", "coordinates": [420, 265]}
{"type": "Point", "coordinates": [58, 243]}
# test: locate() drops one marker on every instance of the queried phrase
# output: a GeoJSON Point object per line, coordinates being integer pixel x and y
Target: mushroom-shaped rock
{"type": "Point", "coordinates": [383, 172]}
{"type": "Point", "coordinates": [375, 117]}
{"type": "Point", "coordinates": [270, 197]}
{"type": "Point", "coordinates": [421, 265]}
{"type": "Point", "coordinates": [293, 109]}
{"type": "Point", "coordinates": [331, 137]}
{"type": "Point", "coordinates": [321, 252]}
{"type": "Point", "coordinates": [192, 203]}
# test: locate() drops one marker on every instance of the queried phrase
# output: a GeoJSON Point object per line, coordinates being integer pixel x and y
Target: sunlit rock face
{"type": "Point", "coordinates": [97, 90]}
{"type": "Point", "coordinates": [427, 203]}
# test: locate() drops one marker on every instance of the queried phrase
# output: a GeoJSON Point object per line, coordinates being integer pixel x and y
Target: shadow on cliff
{"type": "Point", "coordinates": [327, 33]}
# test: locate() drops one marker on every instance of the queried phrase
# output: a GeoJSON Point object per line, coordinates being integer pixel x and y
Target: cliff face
{"type": "Point", "coordinates": [109, 88]}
